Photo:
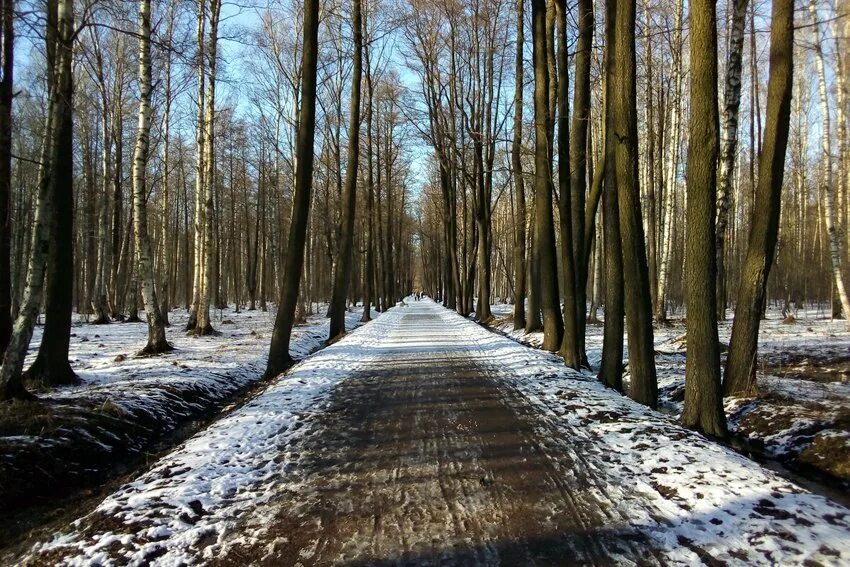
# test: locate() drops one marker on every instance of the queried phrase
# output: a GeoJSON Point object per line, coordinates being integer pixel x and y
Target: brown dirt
{"type": "Point", "coordinates": [828, 367]}
{"type": "Point", "coordinates": [829, 452]}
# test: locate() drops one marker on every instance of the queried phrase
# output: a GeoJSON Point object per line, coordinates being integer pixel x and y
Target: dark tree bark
{"type": "Point", "coordinates": [279, 357]}
{"type": "Point", "coordinates": [741, 362]}
{"type": "Point", "coordinates": [520, 266]}
{"type": "Point", "coordinates": [569, 347]}
{"type": "Point", "coordinates": [369, 276]}
{"type": "Point", "coordinates": [51, 366]}
{"type": "Point", "coordinates": [349, 196]}
{"type": "Point", "coordinates": [7, 66]}
{"type": "Point", "coordinates": [578, 163]}
{"type": "Point", "coordinates": [703, 398]}
{"type": "Point", "coordinates": [611, 368]}
{"type": "Point", "coordinates": [544, 242]}
{"type": "Point", "coordinates": [623, 158]}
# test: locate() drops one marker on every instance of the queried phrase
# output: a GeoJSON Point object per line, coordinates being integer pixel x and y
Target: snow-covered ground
{"type": "Point", "coordinates": [696, 501]}
{"type": "Point", "coordinates": [127, 403]}
{"type": "Point", "coordinates": [802, 413]}
{"type": "Point", "coordinates": [193, 497]}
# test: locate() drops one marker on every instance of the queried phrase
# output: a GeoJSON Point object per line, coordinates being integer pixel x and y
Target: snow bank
{"type": "Point", "coordinates": [704, 500]}
{"type": "Point", "coordinates": [126, 404]}
{"type": "Point", "coordinates": [183, 509]}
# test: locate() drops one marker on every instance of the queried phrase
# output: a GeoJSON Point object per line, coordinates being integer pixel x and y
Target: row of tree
{"type": "Point", "coordinates": [566, 157]}
{"type": "Point", "coordinates": [221, 203]}
{"type": "Point", "coordinates": [681, 204]}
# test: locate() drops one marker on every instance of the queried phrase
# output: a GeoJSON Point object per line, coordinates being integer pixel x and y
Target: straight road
{"type": "Point", "coordinates": [423, 439]}
{"type": "Point", "coordinates": [422, 458]}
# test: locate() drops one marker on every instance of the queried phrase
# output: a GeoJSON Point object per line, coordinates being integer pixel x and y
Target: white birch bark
{"type": "Point", "coordinates": [204, 325]}
{"type": "Point", "coordinates": [729, 133]}
{"type": "Point", "coordinates": [144, 254]}
{"type": "Point", "coordinates": [200, 170]}
{"type": "Point", "coordinates": [826, 181]}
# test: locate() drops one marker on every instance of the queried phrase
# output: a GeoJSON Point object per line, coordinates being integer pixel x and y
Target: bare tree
{"type": "Point", "coordinates": [157, 342]}
{"type": "Point", "coordinates": [703, 408]}
{"type": "Point", "coordinates": [544, 241]}
{"type": "Point", "coordinates": [7, 67]}
{"type": "Point", "coordinates": [342, 277]}
{"type": "Point", "coordinates": [731, 107]}
{"type": "Point", "coordinates": [520, 265]}
{"type": "Point", "coordinates": [827, 196]}
{"type": "Point", "coordinates": [569, 347]}
{"type": "Point", "coordinates": [51, 366]}
{"type": "Point", "coordinates": [279, 357]}
{"type": "Point", "coordinates": [56, 138]}
{"type": "Point", "coordinates": [740, 372]}
{"type": "Point", "coordinates": [623, 158]}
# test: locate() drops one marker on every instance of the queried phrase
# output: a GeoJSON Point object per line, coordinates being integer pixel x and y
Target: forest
{"type": "Point", "coordinates": [631, 215]}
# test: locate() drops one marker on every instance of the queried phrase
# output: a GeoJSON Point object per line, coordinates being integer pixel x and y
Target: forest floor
{"type": "Point", "coordinates": [128, 409]}
{"type": "Point", "coordinates": [801, 414]}
{"type": "Point", "coordinates": [426, 439]}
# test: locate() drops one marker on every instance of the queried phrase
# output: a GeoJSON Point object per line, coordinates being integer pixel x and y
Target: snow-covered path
{"type": "Point", "coordinates": [424, 439]}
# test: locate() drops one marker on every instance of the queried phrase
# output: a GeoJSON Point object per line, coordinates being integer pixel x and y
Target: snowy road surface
{"type": "Point", "coordinates": [424, 439]}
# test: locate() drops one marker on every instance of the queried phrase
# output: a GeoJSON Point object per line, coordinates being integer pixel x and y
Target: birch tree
{"type": "Point", "coordinates": [200, 167]}
{"type": "Point", "coordinates": [827, 190]}
{"type": "Point", "coordinates": [729, 142]}
{"type": "Point", "coordinates": [671, 155]}
{"type": "Point", "coordinates": [203, 325]}
{"type": "Point", "coordinates": [157, 342]}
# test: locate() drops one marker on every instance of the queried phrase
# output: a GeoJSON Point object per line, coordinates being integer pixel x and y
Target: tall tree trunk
{"type": "Point", "coordinates": [520, 265]}
{"type": "Point", "coordinates": [622, 135]}
{"type": "Point", "coordinates": [569, 347]}
{"type": "Point", "coordinates": [671, 176]}
{"type": "Point", "coordinates": [342, 277]}
{"type": "Point", "coordinates": [7, 66]}
{"type": "Point", "coordinates": [827, 191]}
{"type": "Point", "coordinates": [203, 325]}
{"type": "Point", "coordinates": [279, 358]}
{"type": "Point", "coordinates": [156, 326]}
{"type": "Point", "coordinates": [578, 164]}
{"type": "Point", "coordinates": [59, 30]}
{"type": "Point", "coordinates": [611, 367]}
{"type": "Point", "coordinates": [120, 229]}
{"type": "Point", "coordinates": [729, 149]}
{"type": "Point", "coordinates": [741, 360]}
{"type": "Point", "coordinates": [369, 295]}
{"type": "Point", "coordinates": [703, 397]}
{"type": "Point", "coordinates": [200, 170]}
{"type": "Point", "coordinates": [168, 248]}
{"type": "Point", "coordinates": [100, 304]}
{"type": "Point", "coordinates": [544, 242]}
{"type": "Point", "coordinates": [649, 164]}
{"type": "Point", "coordinates": [51, 366]}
